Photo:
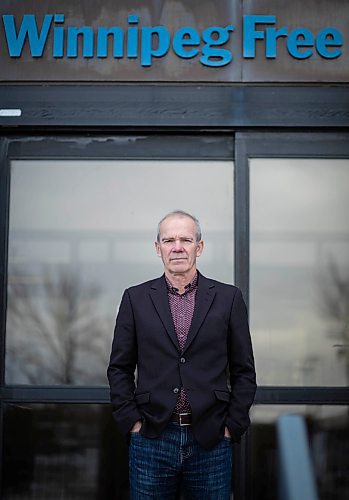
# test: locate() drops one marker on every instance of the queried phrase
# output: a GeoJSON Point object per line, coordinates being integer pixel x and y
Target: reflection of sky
{"type": "Point", "coordinates": [289, 195]}
{"type": "Point", "coordinates": [299, 225]}
{"type": "Point", "coordinates": [100, 218]}
{"type": "Point", "coordinates": [119, 195]}
{"type": "Point", "coordinates": [112, 209]}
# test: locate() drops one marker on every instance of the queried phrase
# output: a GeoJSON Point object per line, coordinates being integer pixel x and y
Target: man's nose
{"type": "Point", "coordinates": [178, 247]}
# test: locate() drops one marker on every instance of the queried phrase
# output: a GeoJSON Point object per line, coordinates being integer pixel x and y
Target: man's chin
{"type": "Point", "coordinates": [179, 263]}
{"type": "Point", "coordinates": [179, 267]}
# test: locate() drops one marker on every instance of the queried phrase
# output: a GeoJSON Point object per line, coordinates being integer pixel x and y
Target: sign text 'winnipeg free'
{"type": "Point", "coordinates": [148, 42]}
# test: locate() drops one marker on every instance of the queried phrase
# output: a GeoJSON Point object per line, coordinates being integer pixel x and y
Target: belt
{"type": "Point", "coordinates": [181, 418]}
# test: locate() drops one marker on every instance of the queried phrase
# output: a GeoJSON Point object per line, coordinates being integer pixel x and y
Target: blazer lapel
{"type": "Point", "coordinates": [158, 295]}
{"type": "Point", "coordinates": [204, 298]}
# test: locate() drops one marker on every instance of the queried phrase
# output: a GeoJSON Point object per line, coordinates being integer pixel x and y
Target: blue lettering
{"type": "Point", "coordinates": [28, 29]}
{"type": "Point", "coordinates": [58, 37]}
{"type": "Point", "coordinates": [300, 37]}
{"type": "Point", "coordinates": [102, 41]}
{"type": "Point", "coordinates": [87, 41]}
{"type": "Point", "coordinates": [147, 50]}
{"type": "Point", "coordinates": [132, 37]}
{"type": "Point", "coordinates": [221, 57]}
{"type": "Point", "coordinates": [250, 34]}
{"type": "Point", "coordinates": [272, 34]}
{"type": "Point", "coordinates": [329, 37]}
{"type": "Point", "coordinates": [149, 42]}
{"type": "Point", "coordinates": [185, 37]}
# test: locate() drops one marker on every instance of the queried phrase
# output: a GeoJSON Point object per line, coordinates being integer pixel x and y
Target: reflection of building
{"type": "Point", "coordinates": [93, 150]}
{"type": "Point", "coordinates": [327, 429]}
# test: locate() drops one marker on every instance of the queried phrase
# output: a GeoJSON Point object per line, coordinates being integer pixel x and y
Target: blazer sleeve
{"type": "Point", "coordinates": [242, 369]}
{"type": "Point", "coordinates": [122, 365]}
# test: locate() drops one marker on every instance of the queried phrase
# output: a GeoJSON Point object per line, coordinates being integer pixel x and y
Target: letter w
{"type": "Point", "coordinates": [28, 28]}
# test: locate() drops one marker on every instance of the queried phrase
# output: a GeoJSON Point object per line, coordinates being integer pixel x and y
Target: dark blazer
{"type": "Point", "coordinates": [216, 367]}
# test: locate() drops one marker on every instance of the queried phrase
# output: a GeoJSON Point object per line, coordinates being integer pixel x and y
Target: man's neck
{"type": "Point", "coordinates": [180, 280]}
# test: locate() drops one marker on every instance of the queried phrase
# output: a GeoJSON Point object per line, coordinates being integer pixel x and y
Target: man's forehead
{"type": "Point", "coordinates": [177, 222]}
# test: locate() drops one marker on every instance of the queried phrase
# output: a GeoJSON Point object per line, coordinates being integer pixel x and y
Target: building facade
{"type": "Point", "coordinates": [112, 115]}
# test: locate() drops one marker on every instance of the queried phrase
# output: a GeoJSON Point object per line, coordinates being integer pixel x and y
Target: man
{"type": "Point", "coordinates": [188, 337]}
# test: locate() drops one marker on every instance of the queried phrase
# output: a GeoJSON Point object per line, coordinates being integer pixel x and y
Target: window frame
{"type": "Point", "coordinates": [285, 145]}
{"type": "Point", "coordinates": [196, 124]}
{"type": "Point", "coordinates": [104, 147]}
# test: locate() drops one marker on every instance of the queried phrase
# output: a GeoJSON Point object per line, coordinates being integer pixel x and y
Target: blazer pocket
{"type": "Point", "coordinates": [143, 398]}
{"type": "Point", "coordinates": [223, 395]}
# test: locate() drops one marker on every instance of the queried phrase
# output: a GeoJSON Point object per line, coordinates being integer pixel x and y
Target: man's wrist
{"type": "Point", "coordinates": [137, 426]}
{"type": "Point", "coordinates": [227, 432]}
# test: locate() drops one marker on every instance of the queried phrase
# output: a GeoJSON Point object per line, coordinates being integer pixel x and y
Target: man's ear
{"type": "Point", "coordinates": [199, 248]}
{"type": "Point", "coordinates": [157, 248]}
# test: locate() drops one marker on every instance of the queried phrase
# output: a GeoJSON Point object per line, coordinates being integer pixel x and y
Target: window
{"type": "Point", "coordinates": [80, 232]}
{"type": "Point", "coordinates": [300, 270]}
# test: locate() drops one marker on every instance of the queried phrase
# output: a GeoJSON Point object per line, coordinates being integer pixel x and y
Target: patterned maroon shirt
{"type": "Point", "coordinates": [182, 310]}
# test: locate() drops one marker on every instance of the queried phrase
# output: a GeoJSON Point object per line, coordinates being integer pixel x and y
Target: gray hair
{"type": "Point", "coordinates": [181, 213]}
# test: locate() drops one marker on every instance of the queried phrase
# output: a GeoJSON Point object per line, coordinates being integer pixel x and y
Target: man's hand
{"type": "Point", "coordinates": [227, 433]}
{"type": "Point", "coordinates": [137, 426]}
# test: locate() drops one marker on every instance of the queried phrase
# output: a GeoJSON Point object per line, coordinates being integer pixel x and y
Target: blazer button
{"type": "Point", "coordinates": [182, 360]}
{"type": "Point", "coordinates": [176, 390]}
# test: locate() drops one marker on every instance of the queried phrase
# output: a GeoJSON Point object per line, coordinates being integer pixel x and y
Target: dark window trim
{"type": "Point", "coordinates": [305, 144]}
{"type": "Point", "coordinates": [266, 395]}
{"type": "Point", "coordinates": [184, 106]}
{"type": "Point", "coordinates": [204, 146]}
{"type": "Point", "coordinates": [4, 207]}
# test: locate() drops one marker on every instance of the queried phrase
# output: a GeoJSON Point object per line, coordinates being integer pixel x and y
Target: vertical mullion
{"type": "Point", "coordinates": [4, 209]}
{"type": "Point", "coordinates": [4, 199]}
{"type": "Point", "coordinates": [242, 259]}
{"type": "Point", "coordinates": [241, 213]}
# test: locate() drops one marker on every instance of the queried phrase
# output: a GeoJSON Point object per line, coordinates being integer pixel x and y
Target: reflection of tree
{"type": "Point", "coordinates": [54, 334]}
{"type": "Point", "coordinates": [335, 305]}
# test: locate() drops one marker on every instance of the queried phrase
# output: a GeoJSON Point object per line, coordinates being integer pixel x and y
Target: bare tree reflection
{"type": "Point", "coordinates": [335, 306]}
{"type": "Point", "coordinates": [54, 332]}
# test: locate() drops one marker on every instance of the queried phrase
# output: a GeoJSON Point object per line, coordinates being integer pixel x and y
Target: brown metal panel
{"type": "Point", "coordinates": [313, 15]}
{"type": "Point", "coordinates": [173, 14]}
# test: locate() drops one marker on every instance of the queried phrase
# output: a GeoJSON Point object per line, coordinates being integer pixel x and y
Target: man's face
{"type": "Point", "coordinates": [178, 247]}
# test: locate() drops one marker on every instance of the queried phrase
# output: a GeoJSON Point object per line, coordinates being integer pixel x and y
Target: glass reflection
{"type": "Point", "coordinates": [300, 271]}
{"type": "Point", "coordinates": [328, 431]}
{"type": "Point", "coordinates": [59, 314]}
{"type": "Point", "coordinates": [82, 231]}
{"type": "Point", "coordinates": [60, 451]}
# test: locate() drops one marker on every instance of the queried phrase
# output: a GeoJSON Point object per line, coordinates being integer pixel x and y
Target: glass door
{"type": "Point", "coordinates": [79, 218]}
{"type": "Point", "coordinates": [299, 299]}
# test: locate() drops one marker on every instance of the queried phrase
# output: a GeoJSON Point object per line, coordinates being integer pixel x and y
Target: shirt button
{"type": "Point", "coordinates": [176, 390]}
{"type": "Point", "coordinates": [182, 360]}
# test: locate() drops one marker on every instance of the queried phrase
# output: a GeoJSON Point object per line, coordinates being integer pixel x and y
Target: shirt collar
{"type": "Point", "coordinates": [190, 286]}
